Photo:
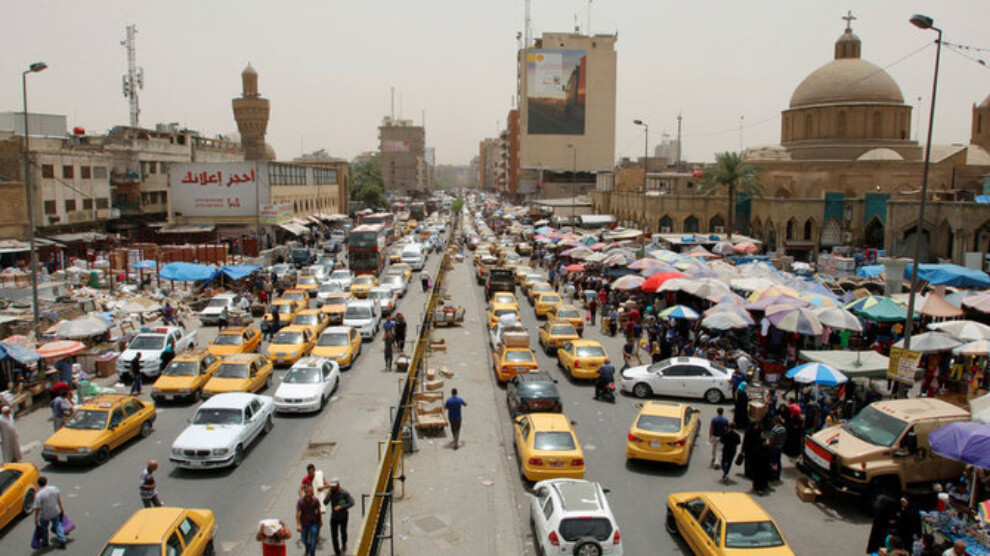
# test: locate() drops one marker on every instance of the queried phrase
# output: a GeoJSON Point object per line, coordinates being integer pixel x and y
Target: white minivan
{"type": "Point", "coordinates": [414, 255]}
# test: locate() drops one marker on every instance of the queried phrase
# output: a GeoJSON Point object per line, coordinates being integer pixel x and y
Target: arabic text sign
{"type": "Point", "coordinates": [223, 189]}
{"type": "Point", "coordinates": [903, 365]}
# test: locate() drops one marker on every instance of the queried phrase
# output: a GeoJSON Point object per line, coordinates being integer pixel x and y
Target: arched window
{"type": "Point", "coordinates": [691, 225]}
{"type": "Point", "coordinates": [789, 232]}
{"type": "Point", "coordinates": [807, 230]}
{"type": "Point", "coordinates": [666, 224]}
{"type": "Point", "coordinates": [716, 225]}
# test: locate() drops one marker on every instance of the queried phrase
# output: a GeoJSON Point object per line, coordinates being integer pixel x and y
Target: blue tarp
{"type": "Point", "coordinates": [950, 275]}
{"type": "Point", "coordinates": [17, 353]}
{"type": "Point", "coordinates": [235, 272]}
{"type": "Point", "coordinates": [871, 271]}
{"type": "Point", "coordinates": [186, 272]}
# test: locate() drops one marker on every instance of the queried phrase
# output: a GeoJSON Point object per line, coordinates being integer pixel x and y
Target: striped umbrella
{"type": "Point", "coordinates": [746, 247]}
{"type": "Point", "coordinates": [839, 319]}
{"type": "Point", "coordinates": [628, 282]}
{"type": "Point", "coordinates": [818, 300]}
{"type": "Point", "coordinates": [679, 312]}
{"type": "Point", "coordinates": [82, 327]}
{"type": "Point", "coordinates": [817, 373]}
{"type": "Point", "coordinates": [796, 319]}
{"type": "Point", "coordinates": [865, 302]}
{"type": "Point", "coordinates": [730, 308]}
{"type": "Point", "coordinates": [60, 348]}
{"type": "Point", "coordinates": [772, 291]}
{"type": "Point", "coordinates": [762, 304]}
{"type": "Point", "coordinates": [730, 297]}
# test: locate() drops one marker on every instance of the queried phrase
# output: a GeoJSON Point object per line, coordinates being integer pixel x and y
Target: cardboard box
{"type": "Point", "coordinates": [806, 490]}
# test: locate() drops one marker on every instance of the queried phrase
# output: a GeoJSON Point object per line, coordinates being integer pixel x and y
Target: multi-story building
{"type": "Point", "coordinates": [403, 154]}
{"type": "Point", "coordinates": [490, 164]}
{"type": "Point", "coordinates": [322, 159]}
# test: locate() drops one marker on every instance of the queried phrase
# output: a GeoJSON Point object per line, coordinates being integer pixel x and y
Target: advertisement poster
{"type": "Point", "coordinates": [276, 213]}
{"type": "Point", "coordinates": [903, 365]}
{"type": "Point", "coordinates": [217, 190]}
{"type": "Point", "coordinates": [555, 95]}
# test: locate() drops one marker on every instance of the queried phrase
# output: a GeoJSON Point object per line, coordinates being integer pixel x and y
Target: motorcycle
{"type": "Point", "coordinates": [605, 392]}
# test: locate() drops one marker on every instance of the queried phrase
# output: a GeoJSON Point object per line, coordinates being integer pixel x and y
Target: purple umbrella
{"type": "Point", "coordinates": [796, 319]}
{"type": "Point", "coordinates": [963, 441]}
{"type": "Point", "coordinates": [656, 269]}
{"type": "Point", "coordinates": [762, 304]}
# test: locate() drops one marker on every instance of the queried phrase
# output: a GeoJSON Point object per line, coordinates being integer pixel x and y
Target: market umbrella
{"type": "Point", "coordinates": [818, 300]}
{"type": "Point", "coordinates": [574, 268]}
{"type": "Point", "coordinates": [642, 264]}
{"type": "Point", "coordinates": [675, 285]}
{"type": "Point", "coordinates": [723, 248]}
{"type": "Point", "coordinates": [884, 310]}
{"type": "Point", "coordinates": [979, 347]}
{"type": "Point", "coordinates": [656, 269]}
{"type": "Point", "coordinates": [679, 312]}
{"type": "Point", "coordinates": [706, 287]}
{"type": "Point", "coordinates": [839, 319]}
{"type": "Point", "coordinates": [979, 302]}
{"type": "Point", "coordinates": [963, 329]}
{"type": "Point", "coordinates": [654, 282]}
{"type": "Point", "coordinates": [931, 342]}
{"type": "Point", "coordinates": [746, 247]}
{"type": "Point", "coordinates": [145, 264]}
{"type": "Point", "coordinates": [865, 302]}
{"type": "Point", "coordinates": [773, 291]}
{"type": "Point", "coordinates": [936, 306]}
{"type": "Point", "coordinates": [750, 283]}
{"type": "Point", "coordinates": [139, 305]}
{"type": "Point", "coordinates": [60, 348]}
{"type": "Point", "coordinates": [762, 304]}
{"type": "Point", "coordinates": [817, 373]}
{"type": "Point", "coordinates": [18, 353]}
{"type": "Point", "coordinates": [701, 253]}
{"type": "Point", "coordinates": [596, 258]}
{"type": "Point", "coordinates": [616, 259]}
{"type": "Point", "coordinates": [963, 441]}
{"type": "Point", "coordinates": [628, 282]}
{"type": "Point", "coordinates": [598, 246]}
{"type": "Point", "coordinates": [82, 327]}
{"type": "Point", "coordinates": [727, 298]}
{"type": "Point", "coordinates": [796, 319]}
{"type": "Point", "coordinates": [723, 321]}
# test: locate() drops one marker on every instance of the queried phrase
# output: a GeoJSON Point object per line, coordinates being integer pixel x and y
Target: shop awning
{"type": "Point", "coordinates": [314, 219]}
{"type": "Point", "coordinates": [596, 219]}
{"type": "Point", "coordinates": [299, 221]}
{"type": "Point", "coordinates": [87, 237]}
{"type": "Point", "coordinates": [187, 229]}
{"type": "Point", "coordinates": [853, 364]}
{"type": "Point", "coordinates": [293, 228]}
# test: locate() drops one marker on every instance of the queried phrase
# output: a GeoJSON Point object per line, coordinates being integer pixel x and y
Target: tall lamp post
{"type": "Point", "coordinates": [29, 194]}
{"type": "Point", "coordinates": [922, 22]}
{"type": "Point", "coordinates": [573, 183]}
{"type": "Point", "coordinates": [646, 148]}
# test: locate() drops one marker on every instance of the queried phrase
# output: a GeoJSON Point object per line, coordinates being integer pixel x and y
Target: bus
{"type": "Point", "coordinates": [417, 211]}
{"type": "Point", "coordinates": [386, 219]}
{"type": "Point", "coordinates": [366, 249]}
{"type": "Point", "coordinates": [432, 205]}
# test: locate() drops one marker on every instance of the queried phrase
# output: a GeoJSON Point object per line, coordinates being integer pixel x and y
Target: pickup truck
{"type": "Point", "coordinates": [499, 280]}
{"type": "Point", "coordinates": [150, 343]}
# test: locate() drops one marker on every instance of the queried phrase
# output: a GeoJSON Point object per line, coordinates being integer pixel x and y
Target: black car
{"type": "Point", "coordinates": [533, 392]}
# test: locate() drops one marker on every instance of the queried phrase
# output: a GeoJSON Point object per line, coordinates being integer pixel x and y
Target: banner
{"type": "Point", "coordinates": [217, 189]}
{"type": "Point", "coordinates": [903, 365]}
{"type": "Point", "coordinates": [555, 91]}
{"type": "Point", "coordinates": [276, 213]}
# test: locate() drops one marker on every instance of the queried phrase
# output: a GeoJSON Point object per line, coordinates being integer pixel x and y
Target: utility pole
{"type": "Point", "coordinates": [677, 166]}
{"type": "Point", "coordinates": [134, 79]}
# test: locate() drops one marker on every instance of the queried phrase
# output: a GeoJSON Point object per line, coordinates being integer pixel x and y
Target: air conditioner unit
{"type": "Point", "coordinates": [719, 229]}
{"type": "Point", "coordinates": [664, 229]}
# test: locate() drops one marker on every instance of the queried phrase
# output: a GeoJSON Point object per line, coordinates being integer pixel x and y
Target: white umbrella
{"type": "Point", "coordinates": [723, 321]}
{"type": "Point", "coordinates": [839, 319]}
{"type": "Point", "coordinates": [963, 329]}
{"type": "Point", "coordinates": [82, 327]}
{"type": "Point", "coordinates": [931, 342]}
{"type": "Point", "coordinates": [750, 284]}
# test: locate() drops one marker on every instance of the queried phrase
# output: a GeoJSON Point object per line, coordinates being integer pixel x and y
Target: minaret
{"type": "Point", "coordinates": [251, 112]}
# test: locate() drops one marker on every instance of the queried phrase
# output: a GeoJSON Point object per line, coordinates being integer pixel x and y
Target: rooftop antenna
{"type": "Point", "coordinates": [577, 28]}
{"type": "Point", "coordinates": [391, 113]}
{"type": "Point", "coordinates": [528, 28]}
{"type": "Point", "coordinates": [134, 79]}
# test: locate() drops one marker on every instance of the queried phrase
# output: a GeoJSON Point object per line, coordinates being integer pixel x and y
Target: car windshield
{"type": "Point", "coordinates": [518, 356]}
{"type": "Point", "coordinates": [232, 370]}
{"type": "Point", "coordinates": [357, 313]}
{"type": "Point", "coordinates": [228, 340]}
{"type": "Point", "coordinates": [132, 550]}
{"type": "Point", "coordinates": [182, 368]}
{"type": "Point", "coordinates": [294, 296]}
{"type": "Point", "coordinates": [306, 280]}
{"type": "Point", "coordinates": [575, 528]}
{"type": "Point", "coordinates": [340, 275]}
{"type": "Point", "coordinates": [380, 295]}
{"type": "Point", "coordinates": [364, 280]}
{"type": "Point", "coordinates": [538, 390]}
{"type": "Point", "coordinates": [218, 303]}
{"type": "Point", "coordinates": [659, 423]}
{"type": "Point", "coordinates": [333, 340]}
{"type": "Point", "coordinates": [218, 416]}
{"type": "Point", "coordinates": [88, 419]}
{"type": "Point", "coordinates": [876, 427]}
{"type": "Point", "coordinates": [590, 351]}
{"type": "Point", "coordinates": [330, 287]}
{"type": "Point", "coordinates": [393, 280]}
{"type": "Point", "coordinates": [284, 309]}
{"type": "Point", "coordinates": [758, 534]}
{"type": "Point", "coordinates": [504, 299]}
{"type": "Point", "coordinates": [563, 330]}
{"type": "Point", "coordinates": [550, 299]}
{"type": "Point", "coordinates": [143, 341]}
{"type": "Point", "coordinates": [337, 300]}
{"type": "Point", "coordinates": [303, 375]}
{"type": "Point", "coordinates": [502, 312]}
{"type": "Point", "coordinates": [568, 314]}
{"type": "Point", "coordinates": [288, 338]}
{"type": "Point", "coordinates": [306, 320]}
{"type": "Point", "coordinates": [554, 440]}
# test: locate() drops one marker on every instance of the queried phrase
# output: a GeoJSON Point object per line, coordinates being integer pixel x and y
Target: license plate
{"type": "Point", "coordinates": [556, 464]}
{"type": "Point", "coordinates": [62, 458]}
{"type": "Point", "coordinates": [281, 360]}
{"type": "Point", "coordinates": [168, 397]}
{"type": "Point", "coordinates": [655, 444]}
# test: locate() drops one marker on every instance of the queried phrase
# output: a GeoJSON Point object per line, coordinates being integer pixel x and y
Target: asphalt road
{"type": "Point", "coordinates": [639, 490]}
{"type": "Point", "coordinates": [100, 499]}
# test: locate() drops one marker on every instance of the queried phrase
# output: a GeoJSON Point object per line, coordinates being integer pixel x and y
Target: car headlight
{"type": "Point", "coordinates": [49, 448]}
{"type": "Point", "coordinates": [340, 356]}
{"type": "Point", "coordinates": [312, 398]}
{"type": "Point", "coordinates": [219, 451]}
{"type": "Point", "coordinates": [279, 399]}
{"type": "Point", "coordinates": [176, 451]}
{"type": "Point", "coordinates": [83, 450]}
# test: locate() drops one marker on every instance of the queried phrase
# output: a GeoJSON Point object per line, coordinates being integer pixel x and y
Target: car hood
{"type": "Point", "coordinates": [212, 310]}
{"type": "Point", "coordinates": [201, 437]}
{"type": "Point", "coordinates": [175, 382]}
{"type": "Point", "coordinates": [223, 350]}
{"type": "Point", "coordinates": [330, 351]}
{"type": "Point", "coordinates": [852, 450]}
{"type": "Point", "coordinates": [358, 323]}
{"type": "Point", "coordinates": [71, 438]}
{"type": "Point", "coordinates": [217, 385]}
{"type": "Point", "coordinates": [637, 372]}
{"type": "Point", "coordinates": [146, 355]}
{"type": "Point", "coordinates": [297, 390]}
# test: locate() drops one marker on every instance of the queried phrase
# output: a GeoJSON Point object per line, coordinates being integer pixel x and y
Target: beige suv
{"type": "Point", "coordinates": [883, 449]}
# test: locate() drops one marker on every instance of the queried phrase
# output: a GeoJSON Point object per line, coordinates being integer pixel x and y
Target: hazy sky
{"type": "Point", "coordinates": [327, 66]}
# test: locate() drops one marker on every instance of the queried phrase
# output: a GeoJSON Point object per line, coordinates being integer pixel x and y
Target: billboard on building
{"type": "Point", "coordinates": [392, 146]}
{"type": "Point", "coordinates": [218, 189]}
{"type": "Point", "coordinates": [276, 213]}
{"type": "Point", "coordinates": [555, 91]}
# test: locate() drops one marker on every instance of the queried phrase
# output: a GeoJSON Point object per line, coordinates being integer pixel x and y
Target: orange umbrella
{"type": "Point", "coordinates": [60, 348]}
{"type": "Point", "coordinates": [746, 247]}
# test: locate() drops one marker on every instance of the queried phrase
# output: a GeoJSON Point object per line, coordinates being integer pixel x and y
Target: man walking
{"type": "Point", "coordinates": [630, 351]}
{"type": "Point", "coordinates": [453, 405]}
{"type": "Point", "coordinates": [48, 512]}
{"type": "Point", "coordinates": [149, 486]}
{"type": "Point", "coordinates": [716, 429]}
{"type": "Point", "coordinates": [61, 409]}
{"type": "Point", "coordinates": [778, 437]}
{"type": "Point", "coordinates": [389, 338]}
{"type": "Point", "coordinates": [340, 502]}
{"type": "Point", "coordinates": [8, 437]}
{"type": "Point", "coordinates": [730, 442]}
{"type": "Point", "coordinates": [308, 519]}
{"type": "Point", "coordinates": [400, 332]}
{"type": "Point", "coordinates": [136, 375]}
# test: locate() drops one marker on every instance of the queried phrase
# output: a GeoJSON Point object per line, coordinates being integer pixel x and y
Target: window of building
{"type": "Point", "coordinates": [100, 172]}
{"type": "Point", "coordinates": [691, 225]}
{"type": "Point", "coordinates": [164, 197]}
{"type": "Point", "coordinates": [68, 171]}
{"type": "Point", "coordinates": [152, 167]}
{"type": "Point", "coordinates": [145, 198]}
{"type": "Point", "coordinates": [48, 170]}
{"type": "Point", "coordinates": [807, 230]}
{"type": "Point", "coordinates": [87, 204]}
{"type": "Point", "coordinates": [789, 233]}
{"type": "Point", "coordinates": [50, 207]}
{"type": "Point", "coordinates": [103, 203]}
{"type": "Point", "coordinates": [85, 172]}
{"type": "Point", "coordinates": [70, 205]}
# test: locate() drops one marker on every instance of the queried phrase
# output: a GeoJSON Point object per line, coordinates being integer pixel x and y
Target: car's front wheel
{"type": "Point", "coordinates": [642, 390]}
{"type": "Point", "coordinates": [713, 395]}
{"type": "Point", "coordinates": [670, 524]}
{"type": "Point", "coordinates": [102, 455]}
{"type": "Point", "coordinates": [238, 455]}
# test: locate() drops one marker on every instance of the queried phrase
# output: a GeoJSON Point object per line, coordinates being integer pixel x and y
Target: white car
{"type": "Point", "coordinates": [344, 277]}
{"type": "Point", "coordinates": [386, 297]}
{"type": "Point", "coordinates": [363, 315]}
{"type": "Point", "coordinates": [318, 271]}
{"type": "Point", "coordinates": [687, 377]}
{"type": "Point", "coordinates": [211, 313]}
{"type": "Point", "coordinates": [326, 289]}
{"type": "Point", "coordinates": [572, 516]}
{"type": "Point", "coordinates": [308, 385]}
{"type": "Point", "coordinates": [397, 282]}
{"type": "Point", "coordinates": [222, 430]}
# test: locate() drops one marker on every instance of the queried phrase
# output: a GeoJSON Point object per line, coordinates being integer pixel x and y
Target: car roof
{"type": "Point", "coordinates": [664, 409]}
{"type": "Point", "coordinates": [578, 496]}
{"type": "Point", "coordinates": [548, 294]}
{"type": "Point", "coordinates": [586, 343]}
{"type": "Point", "coordinates": [241, 358]}
{"type": "Point", "coordinates": [148, 525]}
{"type": "Point", "coordinates": [550, 421]}
{"type": "Point", "coordinates": [336, 330]}
{"type": "Point", "coordinates": [538, 376]}
{"type": "Point", "coordinates": [567, 308]}
{"type": "Point", "coordinates": [735, 507]}
{"type": "Point", "coordinates": [234, 330]}
{"type": "Point", "coordinates": [361, 303]}
{"type": "Point", "coordinates": [914, 409]}
{"type": "Point", "coordinates": [294, 328]}
{"type": "Point", "coordinates": [686, 361]}
{"type": "Point", "coordinates": [310, 361]}
{"type": "Point", "coordinates": [559, 322]}
{"type": "Point", "coordinates": [191, 355]}
{"type": "Point", "coordinates": [229, 399]}
{"type": "Point", "coordinates": [105, 401]}
{"type": "Point", "coordinates": [310, 312]}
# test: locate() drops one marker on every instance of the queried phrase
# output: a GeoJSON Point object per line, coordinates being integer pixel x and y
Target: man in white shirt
{"type": "Point", "coordinates": [48, 512]}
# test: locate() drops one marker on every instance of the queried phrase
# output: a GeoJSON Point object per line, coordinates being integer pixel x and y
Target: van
{"type": "Point", "coordinates": [883, 449]}
{"type": "Point", "coordinates": [414, 255]}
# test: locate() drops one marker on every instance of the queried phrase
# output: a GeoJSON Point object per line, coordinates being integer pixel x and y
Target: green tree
{"type": "Point", "coordinates": [731, 173]}
{"type": "Point", "coordinates": [456, 206]}
{"type": "Point", "coordinates": [367, 185]}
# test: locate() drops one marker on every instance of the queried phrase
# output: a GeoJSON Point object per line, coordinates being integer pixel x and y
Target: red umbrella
{"type": "Point", "coordinates": [574, 268]}
{"type": "Point", "coordinates": [746, 247]}
{"type": "Point", "coordinates": [654, 282]}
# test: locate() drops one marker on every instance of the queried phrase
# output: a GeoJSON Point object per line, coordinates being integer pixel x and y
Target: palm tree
{"type": "Point", "coordinates": [730, 172]}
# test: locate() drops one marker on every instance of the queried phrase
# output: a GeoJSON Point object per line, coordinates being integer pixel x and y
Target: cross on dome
{"type": "Point", "coordinates": [849, 18]}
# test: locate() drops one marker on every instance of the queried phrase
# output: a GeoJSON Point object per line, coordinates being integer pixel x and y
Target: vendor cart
{"type": "Point", "coordinates": [448, 316]}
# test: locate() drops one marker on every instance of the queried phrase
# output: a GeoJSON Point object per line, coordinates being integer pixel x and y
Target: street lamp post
{"type": "Point", "coordinates": [29, 194]}
{"type": "Point", "coordinates": [922, 22]}
{"type": "Point", "coordinates": [573, 183]}
{"type": "Point", "coordinates": [646, 148]}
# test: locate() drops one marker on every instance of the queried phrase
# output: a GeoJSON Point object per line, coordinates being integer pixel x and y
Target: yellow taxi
{"type": "Point", "coordinates": [185, 376]}
{"type": "Point", "coordinates": [582, 358]}
{"type": "Point", "coordinates": [497, 310]}
{"type": "Point", "coordinates": [510, 361]}
{"type": "Point", "coordinates": [544, 301]}
{"type": "Point", "coordinates": [480, 252]}
{"type": "Point", "coordinates": [19, 484]}
{"type": "Point", "coordinates": [335, 306]}
{"type": "Point", "coordinates": [242, 372]}
{"type": "Point", "coordinates": [521, 271]}
{"type": "Point", "coordinates": [556, 333]}
{"type": "Point", "coordinates": [308, 284]}
{"type": "Point", "coordinates": [100, 425]}
{"type": "Point", "coordinates": [547, 447]}
{"type": "Point", "coordinates": [524, 248]}
{"type": "Point", "coordinates": [663, 431]}
{"type": "Point", "coordinates": [724, 524]}
{"type": "Point", "coordinates": [289, 345]}
{"type": "Point", "coordinates": [506, 298]}
{"type": "Point", "coordinates": [235, 340]}
{"type": "Point", "coordinates": [510, 259]}
{"type": "Point", "coordinates": [286, 309]}
{"type": "Point", "coordinates": [314, 319]}
{"type": "Point", "coordinates": [535, 287]}
{"type": "Point", "coordinates": [395, 253]}
{"type": "Point", "coordinates": [362, 284]}
{"type": "Point", "coordinates": [571, 314]}
{"type": "Point", "coordinates": [340, 343]}
{"type": "Point", "coordinates": [404, 267]}
{"type": "Point", "coordinates": [298, 295]}
{"type": "Point", "coordinates": [165, 532]}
